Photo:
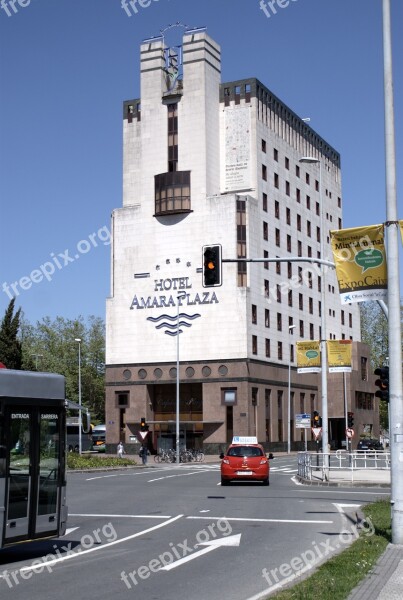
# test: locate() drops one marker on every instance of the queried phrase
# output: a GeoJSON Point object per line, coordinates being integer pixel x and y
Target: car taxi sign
{"type": "Point", "coordinates": [244, 439]}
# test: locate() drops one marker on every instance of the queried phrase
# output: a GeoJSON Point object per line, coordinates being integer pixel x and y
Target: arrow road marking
{"type": "Point", "coordinates": [232, 540]}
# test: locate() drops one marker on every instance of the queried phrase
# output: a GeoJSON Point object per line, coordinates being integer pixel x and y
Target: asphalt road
{"type": "Point", "coordinates": [173, 533]}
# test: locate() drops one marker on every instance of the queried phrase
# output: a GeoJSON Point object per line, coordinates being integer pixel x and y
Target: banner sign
{"type": "Point", "coordinates": [339, 356]}
{"type": "Point", "coordinates": [308, 357]}
{"type": "Point", "coordinates": [360, 258]}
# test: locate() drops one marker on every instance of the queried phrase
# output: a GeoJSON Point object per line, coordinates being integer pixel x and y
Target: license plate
{"type": "Point", "coordinates": [244, 473]}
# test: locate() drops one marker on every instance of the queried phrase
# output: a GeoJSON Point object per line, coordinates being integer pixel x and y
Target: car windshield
{"type": "Point", "coordinates": [245, 451]}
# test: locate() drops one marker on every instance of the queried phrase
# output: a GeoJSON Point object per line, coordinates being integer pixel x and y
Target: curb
{"type": "Point", "coordinates": [341, 483]}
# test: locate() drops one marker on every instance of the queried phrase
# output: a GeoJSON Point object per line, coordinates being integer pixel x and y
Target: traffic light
{"type": "Point", "coordinates": [382, 383]}
{"type": "Point", "coordinates": [143, 424]}
{"type": "Point", "coordinates": [350, 420]}
{"type": "Point", "coordinates": [212, 266]}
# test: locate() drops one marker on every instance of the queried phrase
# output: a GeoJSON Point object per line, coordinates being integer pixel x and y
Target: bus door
{"type": "Point", "coordinates": [33, 454]}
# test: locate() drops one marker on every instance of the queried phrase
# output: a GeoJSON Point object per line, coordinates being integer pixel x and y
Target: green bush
{"type": "Point", "coordinates": [90, 461]}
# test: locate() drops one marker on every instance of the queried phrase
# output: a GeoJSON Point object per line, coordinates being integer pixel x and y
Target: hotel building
{"type": "Point", "coordinates": [205, 163]}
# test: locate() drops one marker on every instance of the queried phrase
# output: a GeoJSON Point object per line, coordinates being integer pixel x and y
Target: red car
{"type": "Point", "coordinates": [245, 460]}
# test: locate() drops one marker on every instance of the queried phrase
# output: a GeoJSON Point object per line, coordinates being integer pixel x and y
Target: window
{"type": "Point", "coordinates": [299, 222]}
{"type": "Point", "coordinates": [276, 181]}
{"type": "Point", "coordinates": [254, 314]}
{"type": "Point", "coordinates": [297, 170]}
{"type": "Point", "coordinates": [263, 145]}
{"type": "Point", "coordinates": [264, 201]}
{"type": "Point", "coordinates": [320, 308]}
{"type": "Point", "coordinates": [342, 317]}
{"type": "Point", "coordinates": [277, 237]}
{"type": "Point", "coordinates": [277, 209]}
{"type": "Point", "coordinates": [278, 293]}
{"type": "Point", "coordinates": [339, 202]}
{"type": "Point", "coordinates": [254, 344]}
{"type": "Point", "coordinates": [287, 163]}
{"type": "Point", "coordinates": [267, 347]}
{"type": "Point", "coordinates": [299, 248]}
{"type": "Point", "coordinates": [317, 208]}
{"type": "Point", "coordinates": [278, 268]}
{"type": "Point", "coordinates": [350, 320]}
{"type": "Point", "coordinates": [311, 331]}
{"type": "Point", "coordinates": [307, 178]}
{"type": "Point", "coordinates": [279, 322]}
{"type": "Point", "coordinates": [172, 192]}
{"type": "Point", "coordinates": [300, 274]}
{"type": "Point", "coordinates": [301, 329]}
{"type": "Point", "coordinates": [318, 234]}
{"type": "Point", "coordinates": [298, 192]}
{"type": "Point", "coordinates": [364, 368]}
{"type": "Point", "coordinates": [264, 172]}
{"type": "Point", "coordinates": [237, 94]}
{"type": "Point", "coordinates": [172, 137]}
{"type": "Point", "coordinates": [289, 297]}
{"type": "Point", "coordinates": [275, 154]}
{"type": "Point", "coordinates": [316, 185]}
{"type": "Point", "coordinates": [280, 350]}
{"type": "Point", "coordinates": [288, 243]}
{"type": "Point", "coordinates": [266, 255]}
{"type": "Point", "coordinates": [309, 250]}
{"type": "Point", "coordinates": [308, 202]}
{"type": "Point", "coordinates": [265, 231]}
{"type": "Point", "coordinates": [287, 188]}
{"type": "Point", "coordinates": [266, 317]}
{"type": "Point", "coordinates": [319, 284]}
{"type": "Point", "coordinates": [340, 224]}
{"type": "Point", "coordinates": [311, 306]}
{"type": "Point", "coordinates": [308, 228]}
{"type": "Point", "coordinates": [289, 270]}
{"type": "Point", "coordinates": [288, 216]}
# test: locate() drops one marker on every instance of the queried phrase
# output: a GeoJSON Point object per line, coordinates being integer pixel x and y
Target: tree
{"type": "Point", "coordinates": [10, 345]}
{"type": "Point", "coordinates": [50, 346]}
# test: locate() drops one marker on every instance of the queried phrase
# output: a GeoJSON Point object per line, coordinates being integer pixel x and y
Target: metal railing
{"type": "Point", "coordinates": [341, 464]}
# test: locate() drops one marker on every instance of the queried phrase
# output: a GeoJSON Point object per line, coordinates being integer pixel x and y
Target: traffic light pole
{"type": "Point", "coordinates": [394, 326]}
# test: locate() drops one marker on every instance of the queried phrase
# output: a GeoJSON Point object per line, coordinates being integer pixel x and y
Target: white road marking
{"type": "Point", "coordinates": [307, 521]}
{"type": "Point", "coordinates": [121, 516]}
{"type": "Point", "coordinates": [75, 554]}
{"type": "Point", "coordinates": [233, 540]}
{"type": "Point", "coordinates": [178, 475]}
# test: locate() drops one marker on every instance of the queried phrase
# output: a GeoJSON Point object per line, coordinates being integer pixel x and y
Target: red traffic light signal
{"type": "Point", "coordinates": [212, 266]}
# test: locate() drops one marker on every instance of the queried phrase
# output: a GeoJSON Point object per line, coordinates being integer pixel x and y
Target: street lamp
{"type": "Point", "coordinates": [290, 328]}
{"type": "Point", "coordinates": [179, 297]}
{"type": "Point", "coordinates": [323, 349]}
{"type": "Point", "coordinates": [78, 340]}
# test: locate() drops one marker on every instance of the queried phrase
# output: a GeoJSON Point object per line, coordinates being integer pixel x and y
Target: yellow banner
{"type": "Point", "coordinates": [308, 357]}
{"type": "Point", "coordinates": [339, 356]}
{"type": "Point", "coordinates": [360, 258]}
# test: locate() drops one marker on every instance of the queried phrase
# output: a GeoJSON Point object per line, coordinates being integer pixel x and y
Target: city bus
{"type": "Point", "coordinates": [32, 456]}
{"type": "Point", "coordinates": [73, 435]}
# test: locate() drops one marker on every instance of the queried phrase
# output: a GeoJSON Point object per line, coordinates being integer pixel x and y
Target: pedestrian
{"type": "Point", "coordinates": [143, 454]}
{"type": "Point", "coordinates": [120, 450]}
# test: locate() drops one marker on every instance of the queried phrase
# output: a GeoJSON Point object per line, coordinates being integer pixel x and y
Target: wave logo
{"type": "Point", "coordinates": [172, 324]}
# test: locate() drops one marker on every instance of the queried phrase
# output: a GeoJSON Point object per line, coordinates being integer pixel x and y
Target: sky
{"type": "Point", "coordinates": [66, 66]}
